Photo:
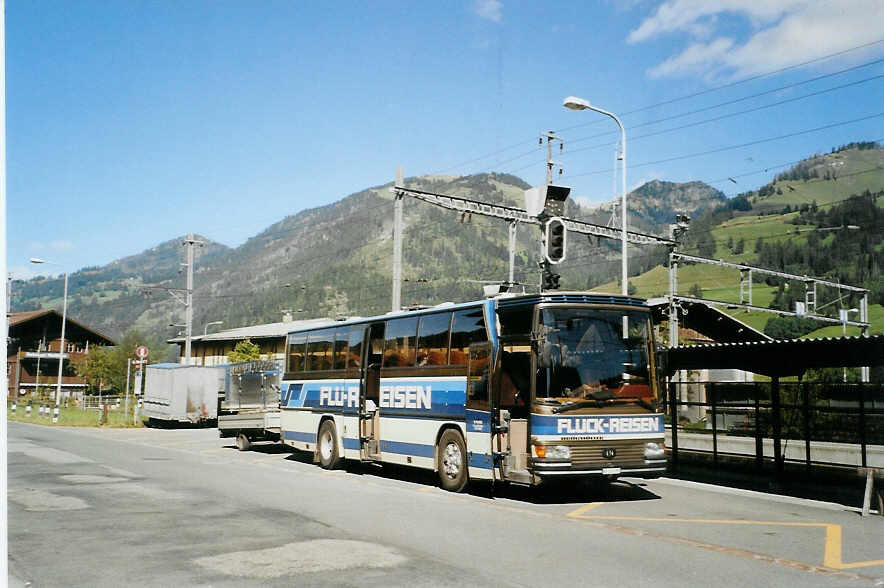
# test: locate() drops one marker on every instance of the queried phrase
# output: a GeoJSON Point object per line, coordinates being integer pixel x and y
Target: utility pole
{"type": "Point", "coordinates": [189, 242]}
{"type": "Point", "coordinates": [397, 243]}
{"type": "Point", "coordinates": [550, 164]}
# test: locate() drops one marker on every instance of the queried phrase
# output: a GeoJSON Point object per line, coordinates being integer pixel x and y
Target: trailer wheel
{"type": "Point", "coordinates": [242, 442]}
{"type": "Point", "coordinates": [451, 461]}
{"type": "Point", "coordinates": [327, 446]}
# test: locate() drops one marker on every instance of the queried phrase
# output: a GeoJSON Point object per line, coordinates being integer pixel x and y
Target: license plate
{"type": "Point", "coordinates": [609, 471]}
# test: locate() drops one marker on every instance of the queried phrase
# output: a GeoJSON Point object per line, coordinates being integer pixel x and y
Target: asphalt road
{"type": "Point", "coordinates": [149, 507]}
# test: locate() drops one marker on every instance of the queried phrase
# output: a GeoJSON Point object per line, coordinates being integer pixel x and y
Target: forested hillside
{"type": "Point", "coordinates": [821, 218]}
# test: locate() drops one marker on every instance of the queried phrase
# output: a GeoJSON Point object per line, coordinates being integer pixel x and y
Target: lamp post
{"type": "Point", "coordinates": [207, 325]}
{"type": "Point", "coordinates": [575, 103]}
{"type": "Point", "coordinates": [64, 318]}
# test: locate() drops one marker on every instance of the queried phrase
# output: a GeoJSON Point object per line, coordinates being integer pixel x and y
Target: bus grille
{"type": "Point", "coordinates": [589, 453]}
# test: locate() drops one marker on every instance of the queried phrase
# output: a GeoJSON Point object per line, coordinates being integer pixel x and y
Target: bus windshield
{"type": "Point", "coordinates": [594, 357]}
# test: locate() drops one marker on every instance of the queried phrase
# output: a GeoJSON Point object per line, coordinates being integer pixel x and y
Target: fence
{"type": "Point", "coordinates": [811, 422]}
{"type": "Point", "coordinates": [96, 402]}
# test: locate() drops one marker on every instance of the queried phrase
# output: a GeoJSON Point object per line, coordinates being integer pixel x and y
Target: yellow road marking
{"type": "Point", "coordinates": [833, 548]}
{"type": "Point", "coordinates": [585, 508]}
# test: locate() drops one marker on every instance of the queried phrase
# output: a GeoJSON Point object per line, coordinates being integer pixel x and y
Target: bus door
{"type": "Point", "coordinates": [478, 412]}
{"type": "Point", "coordinates": [369, 393]}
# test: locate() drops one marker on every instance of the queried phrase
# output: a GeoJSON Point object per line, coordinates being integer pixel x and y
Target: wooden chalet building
{"type": "Point", "coordinates": [34, 350]}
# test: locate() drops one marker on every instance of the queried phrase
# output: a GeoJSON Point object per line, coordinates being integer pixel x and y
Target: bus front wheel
{"type": "Point", "coordinates": [451, 461]}
{"type": "Point", "coordinates": [327, 446]}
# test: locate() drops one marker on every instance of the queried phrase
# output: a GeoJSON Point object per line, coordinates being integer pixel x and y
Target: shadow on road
{"type": "Point", "coordinates": [561, 492]}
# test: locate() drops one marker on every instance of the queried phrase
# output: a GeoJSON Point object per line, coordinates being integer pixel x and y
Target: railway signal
{"type": "Point", "coordinates": [554, 236]}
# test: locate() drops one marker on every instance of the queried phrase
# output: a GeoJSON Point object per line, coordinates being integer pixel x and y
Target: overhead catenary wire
{"type": "Point", "coordinates": [672, 101]}
{"type": "Point", "coordinates": [732, 147]}
{"type": "Point", "coordinates": [729, 115]}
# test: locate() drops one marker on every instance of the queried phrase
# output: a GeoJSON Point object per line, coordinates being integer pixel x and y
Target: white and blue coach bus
{"type": "Point", "coordinates": [518, 388]}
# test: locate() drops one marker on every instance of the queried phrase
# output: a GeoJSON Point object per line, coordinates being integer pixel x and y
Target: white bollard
{"type": "Point", "coordinates": [13, 408]}
{"type": "Point", "coordinates": [55, 415]}
{"type": "Point", "coordinates": [867, 496]}
{"type": "Point", "coordinates": [28, 410]}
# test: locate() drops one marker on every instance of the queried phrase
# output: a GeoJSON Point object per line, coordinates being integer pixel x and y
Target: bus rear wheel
{"type": "Point", "coordinates": [327, 446]}
{"type": "Point", "coordinates": [451, 461]}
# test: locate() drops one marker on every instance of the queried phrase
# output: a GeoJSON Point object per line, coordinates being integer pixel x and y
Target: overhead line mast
{"type": "Point", "coordinates": [510, 213]}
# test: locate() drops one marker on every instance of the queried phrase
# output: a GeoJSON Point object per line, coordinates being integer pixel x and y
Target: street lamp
{"type": "Point", "coordinates": [64, 317]}
{"type": "Point", "coordinates": [575, 103]}
{"type": "Point", "coordinates": [207, 325]}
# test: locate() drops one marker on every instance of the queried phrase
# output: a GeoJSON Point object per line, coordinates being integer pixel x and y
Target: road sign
{"type": "Point", "coordinates": [141, 351]}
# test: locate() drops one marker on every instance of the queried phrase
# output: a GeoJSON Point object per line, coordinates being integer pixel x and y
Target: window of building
{"type": "Point", "coordinates": [400, 341]}
{"type": "Point", "coordinates": [432, 339]}
{"type": "Point", "coordinates": [468, 326]}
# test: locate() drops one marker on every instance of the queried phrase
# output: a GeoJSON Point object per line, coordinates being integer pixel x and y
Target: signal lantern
{"type": "Point", "coordinates": [555, 235]}
{"type": "Point", "coordinates": [550, 281]}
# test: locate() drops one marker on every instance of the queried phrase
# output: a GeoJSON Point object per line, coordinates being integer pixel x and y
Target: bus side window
{"type": "Point", "coordinates": [354, 351]}
{"type": "Point", "coordinates": [342, 347]}
{"type": "Point", "coordinates": [468, 327]}
{"type": "Point", "coordinates": [319, 350]}
{"type": "Point", "coordinates": [400, 342]}
{"type": "Point", "coordinates": [432, 339]}
{"type": "Point", "coordinates": [296, 352]}
{"type": "Point", "coordinates": [477, 381]}
{"type": "Point", "coordinates": [376, 345]}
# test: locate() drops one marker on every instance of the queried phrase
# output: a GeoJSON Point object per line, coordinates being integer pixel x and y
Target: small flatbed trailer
{"type": "Point", "coordinates": [249, 407]}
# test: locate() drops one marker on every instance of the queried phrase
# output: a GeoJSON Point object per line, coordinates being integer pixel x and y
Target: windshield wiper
{"type": "Point", "coordinates": [578, 404]}
{"type": "Point", "coordinates": [638, 400]}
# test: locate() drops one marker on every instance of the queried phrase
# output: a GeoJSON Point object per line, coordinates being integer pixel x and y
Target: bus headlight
{"type": "Point", "coordinates": [654, 451]}
{"type": "Point", "coordinates": [552, 451]}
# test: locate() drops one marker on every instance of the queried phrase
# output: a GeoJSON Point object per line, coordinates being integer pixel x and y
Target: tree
{"type": "Point", "coordinates": [244, 351]}
{"type": "Point", "coordinates": [696, 291]}
{"type": "Point", "coordinates": [740, 246]}
{"type": "Point", "coordinates": [106, 366]}
{"type": "Point", "coordinates": [97, 367]}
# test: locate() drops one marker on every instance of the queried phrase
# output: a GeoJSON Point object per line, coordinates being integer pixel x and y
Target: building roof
{"type": "Point", "coordinates": [266, 331]}
{"type": "Point", "coordinates": [21, 322]}
{"type": "Point", "coordinates": [707, 320]}
{"type": "Point", "coordinates": [781, 358]}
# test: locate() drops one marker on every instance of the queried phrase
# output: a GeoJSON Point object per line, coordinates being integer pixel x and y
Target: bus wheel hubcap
{"type": "Point", "coordinates": [451, 460]}
{"type": "Point", "coordinates": [325, 446]}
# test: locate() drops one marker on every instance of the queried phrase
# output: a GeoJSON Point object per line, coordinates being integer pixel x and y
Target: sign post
{"type": "Point", "coordinates": [141, 353]}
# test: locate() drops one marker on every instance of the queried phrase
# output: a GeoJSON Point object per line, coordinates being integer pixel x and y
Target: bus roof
{"type": "Point", "coordinates": [501, 301]}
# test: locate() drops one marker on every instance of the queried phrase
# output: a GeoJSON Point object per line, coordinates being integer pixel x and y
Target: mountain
{"type": "Point", "coordinates": [336, 259]}
{"type": "Point", "coordinates": [653, 205]}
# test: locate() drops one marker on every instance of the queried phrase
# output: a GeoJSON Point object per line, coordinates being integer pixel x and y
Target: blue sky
{"type": "Point", "coordinates": [131, 123]}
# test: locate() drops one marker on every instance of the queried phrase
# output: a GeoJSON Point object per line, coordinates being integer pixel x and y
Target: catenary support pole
{"type": "Point", "coordinates": [397, 244]}
{"type": "Point", "coordinates": [512, 235]}
{"type": "Point", "coordinates": [188, 312]}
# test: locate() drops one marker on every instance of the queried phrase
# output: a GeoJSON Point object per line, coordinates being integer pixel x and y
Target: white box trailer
{"type": "Point", "coordinates": [249, 407]}
{"type": "Point", "coordinates": [177, 393]}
